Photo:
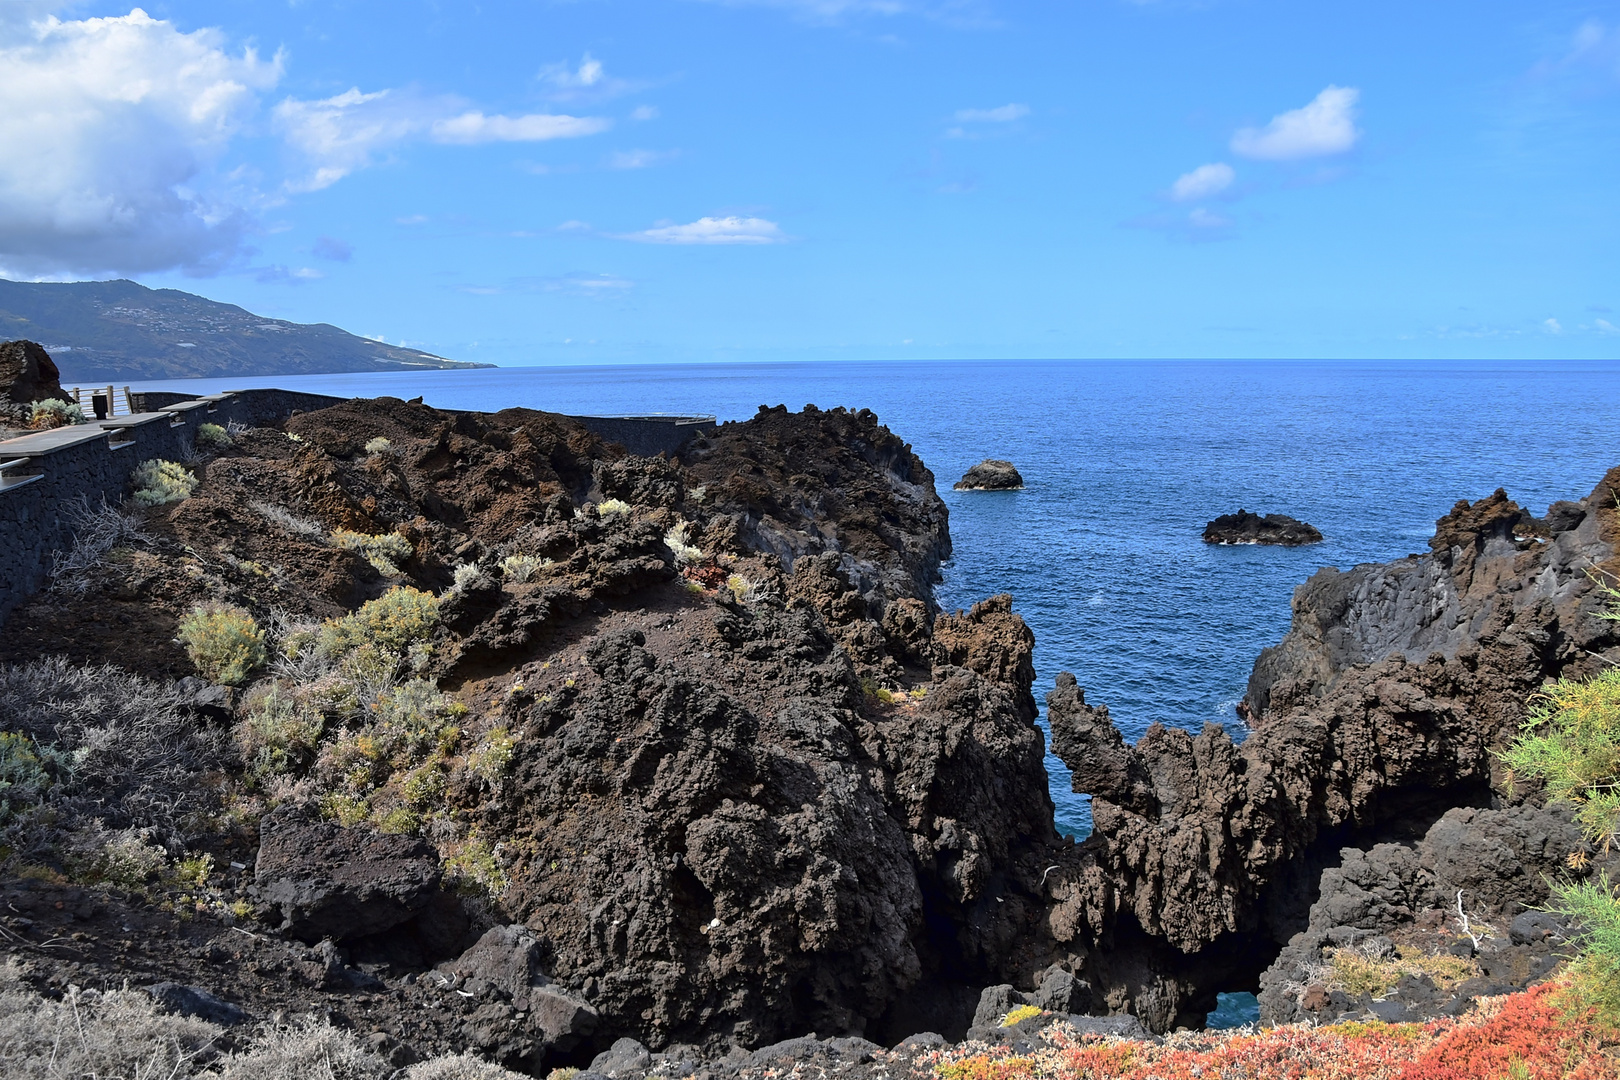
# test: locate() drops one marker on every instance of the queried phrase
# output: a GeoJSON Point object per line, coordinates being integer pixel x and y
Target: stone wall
{"type": "Point", "coordinates": [43, 474]}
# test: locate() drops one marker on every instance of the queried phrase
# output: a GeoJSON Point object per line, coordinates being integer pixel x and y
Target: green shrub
{"type": "Point", "coordinates": [225, 643]}
{"type": "Point", "coordinates": [128, 861]}
{"type": "Point", "coordinates": [26, 774]}
{"type": "Point", "coordinates": [279, 735]}
{"type": "Point", "coordinates": [1020, 1014]}
{"type": "Point", "coordinates": [383, 550]}
{"type": "Point", "coordinates": [611, 507]}
{"type": "Point", "coordinates": [379, 445]}
{"type": "Point", "coordinates": [392, 623]}
{"type": "Point", "coordinates": [213, 435]}
{"type": "Point", "coordinates": [1571, 744]}
{"type": "Point", "coordinates": [55, 413]}
{"type": "Point", "coordinates": [158, 482]}
{"type": "Point", "coordinates": [493, 756]}
{"type": "Point", "coordinates": [195, 871]}
{"type": "Point", "coordinates": [466, 575]}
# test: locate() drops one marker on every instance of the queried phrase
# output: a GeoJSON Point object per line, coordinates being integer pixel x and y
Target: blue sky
{"type": "Point", "coordinates": [602, 181]}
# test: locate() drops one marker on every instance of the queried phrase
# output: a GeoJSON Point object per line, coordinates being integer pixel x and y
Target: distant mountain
{"type": "Point", "coordinates": [112, 330]}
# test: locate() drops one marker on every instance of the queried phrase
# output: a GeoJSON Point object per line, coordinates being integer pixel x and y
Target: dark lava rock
{"type": "Point", "coordinates": [330, 882]}
{"type": "Point", "coordinates": [1244, 527]}
{"type": "Point", "coordinates": [195, 1001]}
{"type": "Point", "coordinates": [507, 960]}
{"type": "Point", "coordinates": [990, 475]}
{"type": "Point", "coordinates": [27, 373]}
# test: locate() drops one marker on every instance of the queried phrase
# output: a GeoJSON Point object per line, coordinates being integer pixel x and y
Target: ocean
{"type": "Point", "coordinates": [1123, 464]}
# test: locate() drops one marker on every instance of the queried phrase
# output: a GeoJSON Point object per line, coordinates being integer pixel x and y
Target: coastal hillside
{"type": "Point", "coordinates": [475, 734]}
{"type": "Point", "coordinates": [107, 331]}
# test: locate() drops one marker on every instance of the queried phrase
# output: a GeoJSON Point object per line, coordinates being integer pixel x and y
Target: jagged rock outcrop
{"type": "Point", "coordinates": [796, 484]}
{"type": "Point", "coordinates": [1245, 527]}
{"type": "Point", "coordinates": [1200, 841]}
{"type": "Point", "coordinates": [1489, 560]}
{"type": "Point", "coordinates": [991, 474]}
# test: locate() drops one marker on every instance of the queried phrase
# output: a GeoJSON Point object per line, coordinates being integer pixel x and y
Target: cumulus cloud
{"type": "Point", "coordinates": [351, 130]}
{"type": "Point", "coordinates": [713, 230]}
{"type": "Point", "coordinates": [1001, 114]}
{"type": "Point", "coordinates": [1325, 126]}
{"type": "Point", "coordinates": [1202, 182]}
{"type": "Point", "coordinates": [110, 129]}
{"type": "Point", "coordinates": [1552, 326]}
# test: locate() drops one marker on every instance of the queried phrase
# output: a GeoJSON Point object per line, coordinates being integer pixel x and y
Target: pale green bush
{"type": "Point", "coordinates": [27, 771]}
{"type": "Point", "coordinates": [55, 413]}
{"type": "Point", "coordinates": [610, 507]}
{"type": "Point", "coordinates": [392, 623]}
{"type": "Point", "coordinates": [126, 860]}
{"type": "Point", "coordinates": [379, 445]}
{"type": "Point", "coordinates": [213, 435]}
{"type": "Point", "coordinates": [158, 482]}
{"type": "Point", "coordinates": [225, 643]}
{"type": "Point", "coordinates": [280, 733]}
{"type": "Point", "coordinates": [383, 550]}
{"type": "Point", "coordinates": [679, 543]}
{"type": "Point", "coordinates": [519, 569]}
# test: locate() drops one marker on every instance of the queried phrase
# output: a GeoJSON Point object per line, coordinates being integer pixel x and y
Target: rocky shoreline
{"type": "Point", "coordinates": [709, 771]}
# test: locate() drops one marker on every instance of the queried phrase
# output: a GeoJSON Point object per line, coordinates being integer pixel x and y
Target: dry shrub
{"type": "Point", "coordinates": [97, 528]}
{"type": "Point", "coordinates": [305, 1049]}
{"type": "Point", "coordinates": [385, 551]}
{"type": "Point", "coordinates": [137, 753]}
{"type": "Point", "coordinates": [88, 1034]}
{"type": "Point", "coordinates": [224, 642]}
{"type": "Point", "coordinates": [459, 1067]}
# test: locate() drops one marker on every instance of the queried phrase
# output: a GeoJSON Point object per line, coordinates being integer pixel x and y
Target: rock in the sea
{"type": "Point", "coordinates": [1245, 527]}
{"type": "Point", "coordinates": [990, 474]}
{"type": "Point", "coordinates": [330, 882]}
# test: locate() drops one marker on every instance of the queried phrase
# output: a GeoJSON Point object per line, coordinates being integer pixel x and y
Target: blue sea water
{"type": "Point", "coordinates": [1124, 463]}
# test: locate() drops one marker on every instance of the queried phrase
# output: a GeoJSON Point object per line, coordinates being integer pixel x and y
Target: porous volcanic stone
{"type": "Point", "coordinates": [1244, 527]}
{"type": "Point", "coordinates": [27, 373]}
{"type": "Point", "coordinates": [990, 475]}
{"type": "Point", "coordinates": [330, 882]}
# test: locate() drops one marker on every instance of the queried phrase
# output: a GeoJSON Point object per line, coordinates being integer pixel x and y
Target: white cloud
{"type": "Point", "coordinates": [1552, 326]}
{"type": "Point", "coordinates": [1325, 126]}
{"type": "Point", "coordinates": [110, 129]}
{"type": "Point", "coordinates": [958, 12]}
{"type": "Point", "coordinates": [711, 230]}
{"type": "Point", "coordinates": [588, 81]}
{"type": "Point", "coordinates": [351, 130]}
{"type": "Point", "coordinates": [644, 112]}
{"type": "Point", "coordinates": [638, 159]}
{"type": "Point", "coordinates": [475, 127]}
{"type": "Point", "coordinates": [1607, 327]}
{"type": "Point", "coordinates": [1202, 182]}
{"type": "Point", "coordinates": [1002, 114]}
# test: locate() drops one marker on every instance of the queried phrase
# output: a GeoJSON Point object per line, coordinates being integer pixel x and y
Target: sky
{"type": "Point", "coordinates": [637, 181]}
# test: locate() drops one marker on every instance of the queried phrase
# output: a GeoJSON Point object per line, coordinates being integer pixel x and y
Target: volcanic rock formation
{"type": "Point", "coordinates": [991, 474]}
{"type": "Point", "coordinates": [1244, 527]}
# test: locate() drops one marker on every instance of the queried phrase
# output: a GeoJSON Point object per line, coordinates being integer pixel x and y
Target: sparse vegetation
{"type": "Point", "coordinates": [520, 569]}
{"type": "Point", "coordinates": [465, 576]}
{"type": "Point", "coordinates": [379, 445]}
{"type": "Point", "coordinates": [1375, 970]}
{"type": "Point", "coordinates": [279, 734]}
{"type": "Point", "coordinates": [290, 522]}
{"type": "Point", "coordinates": [1020, 1014]}
{"type": "Point", "coordinates": [224, 642]}
{"type": "Point", "coordinates": [385, 551]}
{"type": "Point", "coordinates": [54, 413]}
{"type": "Point", "coordinates": [158, 481]}
{"type": "Point", "coordinates": [680, 545]}
{"type": "Point", "coordinates": [97, 529]}
{"type": "Point", "coordinates": [213, 435]}
{"type": "Point", "coordinates": [1571, 744]}
{"type": "Point", "coordinates": [611, 507]}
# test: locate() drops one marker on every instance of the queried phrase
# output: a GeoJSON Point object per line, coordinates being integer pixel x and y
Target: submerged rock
{"type": "Point", "coordinates": [1245, 527]}
{"type": "Point", "coordinates": [991, 474]}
